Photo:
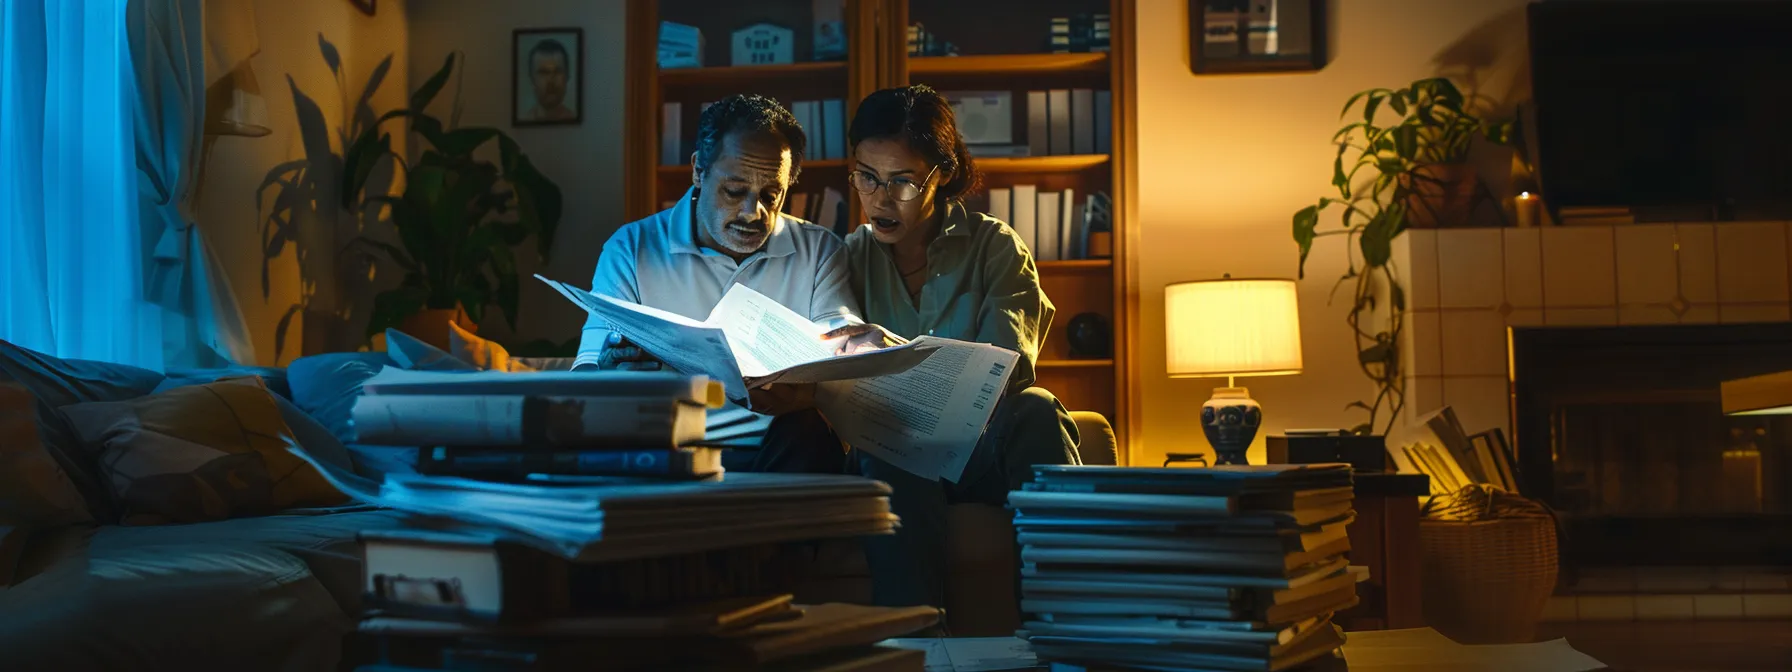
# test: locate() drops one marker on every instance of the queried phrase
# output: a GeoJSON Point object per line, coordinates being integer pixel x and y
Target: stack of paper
{"type": "Point", "coordinates": [1226, 568]}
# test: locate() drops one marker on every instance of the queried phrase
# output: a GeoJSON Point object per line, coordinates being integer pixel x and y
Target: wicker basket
{"type": "Point", "coordinates": [1487, 581]}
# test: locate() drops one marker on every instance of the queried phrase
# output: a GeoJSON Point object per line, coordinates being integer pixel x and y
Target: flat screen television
{"type": "Point", "coordinates": [1663, 103]}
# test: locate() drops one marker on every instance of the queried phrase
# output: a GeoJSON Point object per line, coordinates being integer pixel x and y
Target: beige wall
{"type": "Point", "coordinates": [288, 33]}
{"type": "Point", "coordinates": [1224, 161]}
{"type": "Point", "coordinates": [585, 160]}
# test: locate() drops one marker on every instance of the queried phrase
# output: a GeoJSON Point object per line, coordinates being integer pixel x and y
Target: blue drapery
{"type": "Point", "coordinates": [72, 257]}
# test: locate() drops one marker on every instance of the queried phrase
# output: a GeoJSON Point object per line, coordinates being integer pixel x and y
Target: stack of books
{"type": "Point", "coordinates": [559, 519]}
{"type": "Point", "coordinates": [1223, 568]}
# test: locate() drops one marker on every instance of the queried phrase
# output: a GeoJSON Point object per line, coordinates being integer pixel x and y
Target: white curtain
{"type": "Point", "coordinates": [71, 254]}
{"type": "Point", "coordinates": [202, 323]}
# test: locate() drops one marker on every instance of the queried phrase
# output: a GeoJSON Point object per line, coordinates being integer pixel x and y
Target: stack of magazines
{"type": "Point", "coordinates": [511, 552]}
{"type": "Point", "coordinates": [1223, 568]}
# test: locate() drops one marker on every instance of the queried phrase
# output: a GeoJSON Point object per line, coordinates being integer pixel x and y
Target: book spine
{"type": "Point", "coordinates": [484, 462]}
{"type": "Point", "coordinates": [526, 421]}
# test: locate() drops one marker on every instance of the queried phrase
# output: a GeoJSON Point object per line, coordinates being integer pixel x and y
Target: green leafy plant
{"type": "Point", "coordinates": [459, 217]}
{"type": "Point", "coordinates": [1403, 139]}
{"type": "Point", "coordinates": [304, 197]}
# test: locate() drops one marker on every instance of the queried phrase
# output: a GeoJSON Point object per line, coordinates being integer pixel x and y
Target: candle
{"type": "Point", "coordinates": [1527, 207]}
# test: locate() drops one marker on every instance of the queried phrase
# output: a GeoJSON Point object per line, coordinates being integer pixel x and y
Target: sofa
{"type": "Point", "coordinates": [83, 588]}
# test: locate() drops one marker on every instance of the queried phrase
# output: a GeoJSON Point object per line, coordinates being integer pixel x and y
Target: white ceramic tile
{"type": "Point", "coordinates": [1481, 403]}
{"type": "Point", "coordinates": [1702, 314]}
{"type": "Point", "coordinates": [1525, 317]}
{"type": "Point", "coordinates": [1424, 394]}
{"type": "Point", "coordinates": [1560, 608]}
{"type": "Point", "coordinates": [1606, 607]}
{"type": "Point", "coordinates": [1524, 267]}
{"type": "Point", "coordinates": [1421, 279]}
{"type": "Point", "coordinates": [1425, 331]}
{"type": "Point", "coordinates": [1664, 607]}
{"type": "Point", "coordinates": [1578, 267]}
{"type": "Point", "coordinates": [1645, 263]}
{"type": "Point", "coordinates": [1743, 314]}
{"type": "Point", "coordinates": [1751, 262]}
{"type": "Point", "coordinates": [1717, 606]}
{"type": "Point", "coordinates": [1767, 605]}
{"type": "Point", "coordinates": [1580, 317]}
{"type": "Point", "coordinates": [1469, 268]}
{"type": "Point", "coordinates": [1474, 343]}
{"type": "Point", "coordinates": [1698, 262]}
{"type": "Point", "coordinates": [1635, 315]}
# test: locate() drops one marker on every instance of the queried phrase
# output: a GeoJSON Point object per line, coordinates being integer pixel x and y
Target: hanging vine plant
{"type": "Point", "coordinates": [1421, 134]}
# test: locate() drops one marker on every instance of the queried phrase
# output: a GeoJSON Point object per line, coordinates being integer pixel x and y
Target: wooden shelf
{"type": "Point", "coordinates": [745, 76]}
{"type": "Point", "coordinates": [685, 169]}
{"type": "Point", "coordinates": [1073, 363]}
{"type": "Point", "coordinates": [1041, 164]}
{"type": "Point", "coordinates": [1009, 64]}
{"type": "Point", "coordinates": [1076, 265]}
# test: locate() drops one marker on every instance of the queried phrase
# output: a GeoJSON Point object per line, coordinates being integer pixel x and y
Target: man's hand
{"type": "Point", "coordinates": [776, 399]}
{"type": "Point", "coordinates": [862, 337]}
{"type": "Point", "coordinates": [620, 355]}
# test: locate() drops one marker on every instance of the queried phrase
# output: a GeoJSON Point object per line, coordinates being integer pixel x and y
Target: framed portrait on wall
{"type": "Point", "coordinates": [1246, 36]}
{"type": "Point", "coordinates": [547, 68]}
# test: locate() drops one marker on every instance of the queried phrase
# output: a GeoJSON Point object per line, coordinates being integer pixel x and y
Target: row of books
{"type": "Point", "coordinates": [1053, 224]}
{"type": "Point", "coordinates": [1438, 446]}
{"type": "Point", "coordinates": [823, 122]}
{"type": "Point", "coordinates": [827, 209]}
{"type": "Point", "coordinates": [1079, 33]}
{"type": "Point", "coordinates": [560, 518]}
{"type": "Point", "coordinates": [1060, 122]}
{"type": "Point", "coordinates": [1223, 568]}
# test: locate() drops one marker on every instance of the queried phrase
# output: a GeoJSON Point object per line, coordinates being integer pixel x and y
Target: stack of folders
{"type": "Point", "coordinates": [537, 562]}
{"type": "Point", "coordinates": [1225, 568]}
{"type": "Point", "coordinates": [506, 426]}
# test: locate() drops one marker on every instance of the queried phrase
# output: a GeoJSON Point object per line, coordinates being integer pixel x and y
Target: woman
{"type": "Point", "coordinates": [927, 265]}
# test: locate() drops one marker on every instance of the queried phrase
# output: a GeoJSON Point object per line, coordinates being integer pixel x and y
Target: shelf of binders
{"type": "Point", "coordinates": [1040, 164]}
{"type": "Point", "coordinates": [1009, 64]}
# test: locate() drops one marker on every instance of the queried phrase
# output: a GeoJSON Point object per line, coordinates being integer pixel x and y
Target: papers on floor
{"type": "Point", "coordinates": [971, 654]}
{"type": "Point", "coordinates": [595, 519]}
{"type": "Point", "coordinates": [921, 406]}
{"type": "Point", "coordinates": [1424, 649]}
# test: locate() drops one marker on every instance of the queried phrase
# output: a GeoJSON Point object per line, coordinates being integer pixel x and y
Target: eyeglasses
{"type": "Point", "coordinates": [901, 188]}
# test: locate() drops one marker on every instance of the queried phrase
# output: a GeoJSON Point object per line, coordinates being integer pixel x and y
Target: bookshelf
{"type": "Point", "coordinates": [1000, 45]}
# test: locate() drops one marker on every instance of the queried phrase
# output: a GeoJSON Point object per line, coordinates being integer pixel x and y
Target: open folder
{"type": "Point", "coordinates": [920, 406]}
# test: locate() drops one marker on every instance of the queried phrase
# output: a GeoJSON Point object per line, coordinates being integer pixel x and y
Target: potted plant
{"type": "Point", "coordinates": [457, 220]}
{"type": "Point", "coordinates": [1414, 142]}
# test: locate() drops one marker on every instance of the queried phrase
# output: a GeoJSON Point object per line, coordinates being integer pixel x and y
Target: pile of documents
{"type": "Point", "coordinates": [1223, 568]}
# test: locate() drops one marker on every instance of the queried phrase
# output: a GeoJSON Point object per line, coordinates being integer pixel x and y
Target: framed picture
{"type": "Point", "coordinates": [1245, 36]}
{"type": "Point", "coordinates": [366, 6]}
{"type": "Point", "coordinates": [547, 67]}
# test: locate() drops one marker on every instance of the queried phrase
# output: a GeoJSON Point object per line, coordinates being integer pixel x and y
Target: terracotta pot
{"type": "Point", "coordinates": [431, 325]}
{"type": "Point", "coordinates": [1445, 202]}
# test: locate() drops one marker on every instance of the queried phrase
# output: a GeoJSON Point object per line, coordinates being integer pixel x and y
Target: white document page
{"type": "Point", "coordinates": [685, 344]}
{"type": "Point", "coordinates": [927, 419]}
{"type": "Point", "coordinates": [765, 335]}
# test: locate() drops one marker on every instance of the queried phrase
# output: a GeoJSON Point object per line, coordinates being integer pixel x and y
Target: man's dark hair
{"type": "Point", "coordinates": [752, 113]}
{"type": "Point", "coordinates": [549, 46]}
{"type": "Point", "coordinates": [922, 118]}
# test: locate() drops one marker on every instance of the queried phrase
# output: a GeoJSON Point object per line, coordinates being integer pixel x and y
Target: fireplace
{"type": "Point", "coordinates": [1620, 429]}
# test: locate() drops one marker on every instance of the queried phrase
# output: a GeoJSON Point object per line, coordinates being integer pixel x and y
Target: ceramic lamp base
{"type": "Point", "coordinates": [1230, 420]}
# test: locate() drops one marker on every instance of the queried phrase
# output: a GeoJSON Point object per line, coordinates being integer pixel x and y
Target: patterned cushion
{"type": "Point", "coordinates": [58, 382]}
{"type": "Point", "coordinates": [198, 453]}
{"type": "Point", "coordinates": [35, 492]}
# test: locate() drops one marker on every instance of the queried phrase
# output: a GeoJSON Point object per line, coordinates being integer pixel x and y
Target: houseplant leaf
{"type": "Point", "coordinates": [424, 94]}
{"type": "Point", "coordinates": [331, 57]}
{"type": "Point", "coordinates": [391, 307]}
{"type": "Point", "coordinates": [1306, 225]}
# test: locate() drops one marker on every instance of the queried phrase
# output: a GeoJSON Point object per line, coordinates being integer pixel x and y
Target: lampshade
{"type": "Point", "coordinates": [1770, 394]}
{"type": "Point", "coordinates": [1231, 327]}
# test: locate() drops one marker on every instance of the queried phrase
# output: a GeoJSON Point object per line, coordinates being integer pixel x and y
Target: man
{"type": "Point", "coordinates": [729, 229]}
{"type": "Point", "coordinates": [548, 75]}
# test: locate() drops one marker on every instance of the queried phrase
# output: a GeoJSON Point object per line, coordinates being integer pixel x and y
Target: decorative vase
{"type": "Point", "coordinates": [1089, 336]}
{"type": "Point", "coordinates": [1230, 420]}
{"type": "Point", "coordinates": [430, 325]}
{"type": "Point", "coordinates": [1445, 199]}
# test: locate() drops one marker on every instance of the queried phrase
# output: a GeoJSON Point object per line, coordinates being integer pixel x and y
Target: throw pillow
{"type": "Point", "coordinates": [200, 453]}
{"type": "Point", "coordinates": [483, 354]}
{"type": "Point", "coordinates": [415, 355]}
{"type": "Point", "coordinates": [55, 383]}
{"type": "Point", "coordinates": [35, 492]}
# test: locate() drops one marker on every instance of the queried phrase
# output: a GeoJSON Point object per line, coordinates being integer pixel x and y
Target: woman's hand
{"type": "Point", "coordinates": [861, 337]}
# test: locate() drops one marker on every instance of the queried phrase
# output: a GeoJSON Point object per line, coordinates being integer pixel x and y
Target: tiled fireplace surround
{"type": "Point", "coordinates": [1466, 286]}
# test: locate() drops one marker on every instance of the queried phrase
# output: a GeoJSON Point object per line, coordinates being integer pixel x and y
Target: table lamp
{"type": "Point", "coordinates": [1769, 394]}
{"type": "Point", "coordinates": [1231, 327]}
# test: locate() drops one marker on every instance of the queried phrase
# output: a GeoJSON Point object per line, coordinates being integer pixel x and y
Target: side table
{"type": "Point", "coordinates": [1385, 538]}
